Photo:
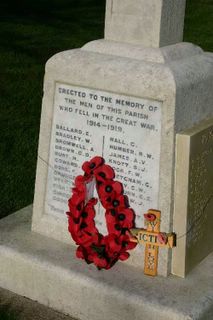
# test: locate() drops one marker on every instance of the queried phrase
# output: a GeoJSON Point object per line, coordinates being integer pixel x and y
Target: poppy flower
{"type": "Point", "coordinates": [121, 221]}
{"type": "Point", "coordinates": [125, 218]}
{"type": "Point", "coordinates": [115, 228]}
{"type": "Point", "coordinates": [81, 252]}
{"type": "Point", "coordinates": [116, 247]}
{"type": "Point", "coordinates": [100, 262]}
{"type": "Point", "coordinates": [115, 202]}
{"type": "Point", "coordinates": [113, 245]}
{"type": "Point", "coordinates": [127, 244]}
{"type": "Point", "coordinates": [91, 203]}
{"type": "Point", "coordinates": [79, 191]}
{"type": "Point", "coordinates": [87, 223]}
{"type": "Point", "coordinates": [75, 208]}
{"type": "Point", "coordinates": [162, 238]}
{"type": "Point", "coordinates": [104, 173]}
{"type": "Point", "coordinates": [76, 202]}
{"type": "Point", "coordinates": [88, 216]}
{"type": "Point", "coordinates": [78, 194]}
{"type": "Point", "coordinates": [84, 253]}
{"type": "Point", "coordinates": [90, 254]}
{"type": "Point", "coordinates": [111, 189]}
{"type": "Point", "coordinates": [123, 256]}
{"type": "Point", "coordinates": [74, 227]}
{"type": "Point", "coordinates": [89, 210]}
{"type": "Point", "coordinates": [79, 181]}
{"type": "Point", "coordinates": [77, 198]}
{"type": "Point", "coordinates": [110, 216]}
{"type": "Point", "coordinates": [150, 217]}
{"type": "Point", "coordinates": [89, 166]}
{"type": "Point", "coordinates": [86, 239]}
{"type": "Point", "coordinates": [83, 228]}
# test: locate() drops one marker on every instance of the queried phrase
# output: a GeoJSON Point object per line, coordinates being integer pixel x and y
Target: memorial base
{"type": "Point", "coordinates": [47, 271]}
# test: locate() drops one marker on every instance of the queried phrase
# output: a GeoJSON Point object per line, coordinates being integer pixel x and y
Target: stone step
{"type": "Point", "coordinates": [46, 270]}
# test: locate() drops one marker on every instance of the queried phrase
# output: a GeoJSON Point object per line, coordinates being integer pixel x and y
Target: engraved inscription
{"type": "Point", "coordinates": [151, 258]}
{"type": "Point", "coordinates": [193, 218]}
{"type": "Point", "coordinates": [200, 191]}
{"type": "Point", "coordinates": [125, 130]}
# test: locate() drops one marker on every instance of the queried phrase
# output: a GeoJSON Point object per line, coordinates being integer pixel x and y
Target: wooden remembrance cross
{"type": "Point", "coordinates": [152, 238]}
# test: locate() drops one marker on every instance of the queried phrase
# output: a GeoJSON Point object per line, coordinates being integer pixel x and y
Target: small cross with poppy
{"type": "Point", "coordinates": [152, 238]}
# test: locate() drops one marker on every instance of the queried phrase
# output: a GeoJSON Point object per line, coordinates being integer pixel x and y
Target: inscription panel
{"type": "Point", "coordinates": [200, 204]}
{"type": "Point", "coordinates": [193, 218]}
{"type": "Point", "coordinates": [125, 130]}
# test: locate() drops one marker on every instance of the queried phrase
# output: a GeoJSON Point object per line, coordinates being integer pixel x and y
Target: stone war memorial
{"type": "Point", "coordinates": [143, 100]}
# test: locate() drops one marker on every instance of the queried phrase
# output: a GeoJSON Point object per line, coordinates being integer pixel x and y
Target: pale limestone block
{"type": "Point", "coordinates": [182, 82]}
{"type": "Point", "coordinates": [193, 206]}
{"type": "Point", "coordinates": [46, 270]}
{"type": "Point", "coordinates": [167, 54]}
{"type": "Point", "coordinates": [119, 79]}
{"type": "Point", "coordinates": [153, 23]}
{"type": "Point", "coordinates": [74, 131]}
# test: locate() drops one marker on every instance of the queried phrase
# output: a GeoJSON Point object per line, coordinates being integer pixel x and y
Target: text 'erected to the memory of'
{"type": "Point", "coordinates": [125, 130]}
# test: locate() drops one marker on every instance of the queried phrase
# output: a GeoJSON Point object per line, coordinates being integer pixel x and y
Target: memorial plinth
{"type": "Point", "coordinates": [125, 97]}
{"type": "Point", "coordinates": [45, 270]}
{"type": "Point", "coordinates": [179, 91]}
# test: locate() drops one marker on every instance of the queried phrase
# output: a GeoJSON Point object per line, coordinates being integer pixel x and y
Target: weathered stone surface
{"type": "Point", "coordinates": [182, 50]}
{"type": "Point", "coordinates": [89, 122]}
{"type": "Point", "coordinates": [181, 83]}
{"type": "Point", "coordinates": [193, 218]}
{"type": "Point", "coordinates": [46, 270]}
{"type": "Point", "coordinates": [153, 23]}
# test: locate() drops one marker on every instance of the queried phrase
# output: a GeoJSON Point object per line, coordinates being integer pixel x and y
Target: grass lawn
{"type": "Point", "coordinates": [31, 31]}
{"type": "Point", "coordinates": [7, 314]}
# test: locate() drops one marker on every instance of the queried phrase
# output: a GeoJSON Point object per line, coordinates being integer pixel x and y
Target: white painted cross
{"type": "Point", "coordinates": [151, 23]}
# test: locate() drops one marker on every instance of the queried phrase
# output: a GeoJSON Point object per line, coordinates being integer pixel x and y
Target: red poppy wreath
{"type": "Point", "coordinates": [102, 250]}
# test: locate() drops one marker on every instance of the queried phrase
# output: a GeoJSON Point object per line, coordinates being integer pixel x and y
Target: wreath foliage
{"type": "Point", "coordinates": [102, 250]}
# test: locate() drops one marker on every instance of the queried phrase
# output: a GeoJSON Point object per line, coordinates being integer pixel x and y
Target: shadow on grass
{"type": "Point", "coordinates": [41, 28]}
{"type": "Point", "coordinates": [199, 23]}
{"type": "Point", "coordinates": [31, 32]}
{"type": "Point", "coordinates": [7, 314]}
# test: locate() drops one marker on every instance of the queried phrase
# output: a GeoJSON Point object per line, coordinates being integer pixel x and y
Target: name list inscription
{"type": "Point", "coordinates": [200, 204]}
{"type": "Point", "coordinates": [125, 130]}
